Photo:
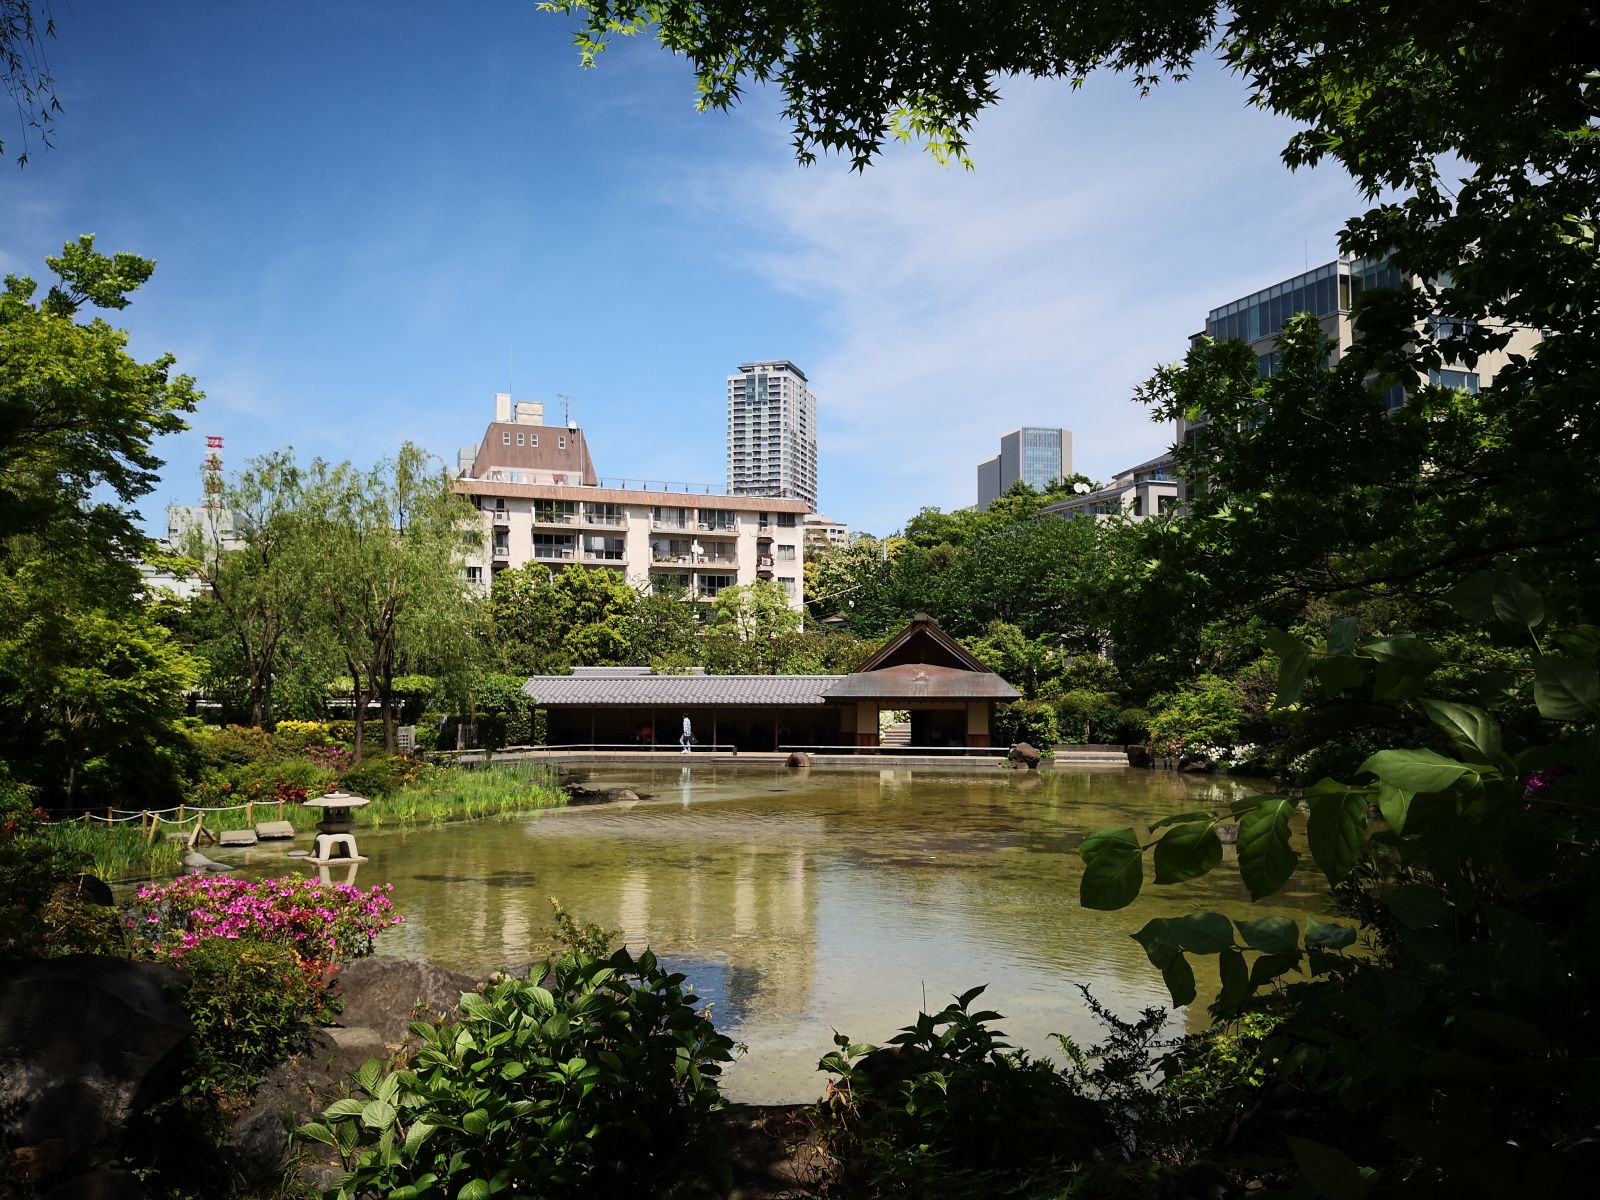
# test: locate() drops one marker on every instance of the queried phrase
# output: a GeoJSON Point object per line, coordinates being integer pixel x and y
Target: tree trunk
{"type": "Point", "coordinates": [358, 696]}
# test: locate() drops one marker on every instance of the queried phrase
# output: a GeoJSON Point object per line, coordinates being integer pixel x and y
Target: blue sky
{"type": "Point", "coordinates": [368, 218]}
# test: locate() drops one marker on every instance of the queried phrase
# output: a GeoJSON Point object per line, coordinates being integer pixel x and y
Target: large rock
{"type": "Point", "coordinates": [800, 758]}
{"type": "Point", "coordinates": [1025, 755]}
{"type": "Point", "coordinates": [387, 994]}
{"type": "Point", "coordinates": [86, 1043]}
{"type": "Point", "coordinates": [1140, 756]}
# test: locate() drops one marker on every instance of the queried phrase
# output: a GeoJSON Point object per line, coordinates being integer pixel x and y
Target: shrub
{"type": "Point", "coordinates": [1026, 721]}
{"type": "Point", "coordinates": [298, 735]}
{"type": "Point", "coordinates": [381, 776]}
{"type": "Point", "coordinates": [235, 745]}
{"type": "Point", "coordinates": [948, 1110]}
{"type": "Point", "coordinates": [1208, 712]}
{"type": "Point", "coordinates": [601, 1086]}
{"type": "Point", "coordinates": [1086, 716]}
{"type": "Point", "coordinates": [250, 1003]}
{"type": "Point", "coordinates": [322, 922]}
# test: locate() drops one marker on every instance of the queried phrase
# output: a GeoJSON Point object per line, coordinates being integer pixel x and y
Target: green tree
{"type": "Point", "coordinates": [254, 590]}
{"type": "Point", "coordinates": [544, 623]}
{"type": "Point", "coordinates": [752, 630]}
{"type": "Point", "coordinates": [91, 685]}
{"type": "Point", "coordinates": [377, 562]}
{"type": "Point", "coordinates": [664, 630]}
{"type": "Point", "coordinates": [78, 414]}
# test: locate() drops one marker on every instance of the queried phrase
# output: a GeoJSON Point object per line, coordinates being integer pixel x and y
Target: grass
{"type": "Point", "coordinates": [447, 794]}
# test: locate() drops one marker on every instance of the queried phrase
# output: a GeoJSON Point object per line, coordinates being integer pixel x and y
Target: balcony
{"type": "Point", "coordinates": [501, 518]}
{"type": "Point", "coordinates": [553, 553]}
{"type": "Point", "coordinates": [669, 526]}
{"type": "Point", "coordinates": [716, 560]}
{"type": "Point", "coordinates": [605, 556]}
{"type": "Point", "coordinates": [546, 517]}
{"type": "Point", "coordinates": [661, 559]}
{"type": "Point", "coordinates": [603, 520]}
{"type": "Point", "coordinates": [764, 561]}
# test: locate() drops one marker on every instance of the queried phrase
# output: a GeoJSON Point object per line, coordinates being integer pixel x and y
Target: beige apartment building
{"type": "Point", "coordinates": [541, 501]}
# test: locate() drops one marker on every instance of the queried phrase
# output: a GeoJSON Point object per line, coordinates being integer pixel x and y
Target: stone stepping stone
{"type": "Point", "coordinates": [268, 830]}
{"type": "Point", "coordinates": [237, 837]}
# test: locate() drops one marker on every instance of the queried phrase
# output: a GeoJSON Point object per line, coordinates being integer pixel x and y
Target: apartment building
{"type": "Point", "coordinates": [1138, 493]}
{"type": "Point", "coordinates": [772, 432]}
{"type": "Point", "coordinates": [1328, 293]}
{"type": "Point", "coordinates": [835, 533]}
{"type": "Point", "coordinates": [1038, 457]}
{"type": "Point", "coordinates": [541, 501]}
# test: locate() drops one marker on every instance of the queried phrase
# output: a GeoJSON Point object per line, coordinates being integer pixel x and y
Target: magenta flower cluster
{"type": "Point", "coordinates": [326, 922]}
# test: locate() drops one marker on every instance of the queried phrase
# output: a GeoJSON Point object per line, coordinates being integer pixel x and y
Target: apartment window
{"type": "Point", "coordinates": [519, 439]}
{"type": "Point", "coordinates": [785, 520]}
{"type": "Point", "coordinates": [505, 439]}
{"type": "Point", "coordinates": [785, 553]}
{"type": "Point", "coordinates": [533, 439]}
{"type": "Point", "coordinates": [1457, 380]}
{"type": "Point", "coordinates": [603, 549]}
{"type": "Point", "coordinates": [554, 512]}
{"type": "Point", "coordinates": [561, 442]}
{"type": "Point", "coordinates": [786, 582]}
{"type": "Point", "coordinates": [474, 574]}
{"type": "Point", "coordinates": [710, 585]}
{"type": "Point", "coordinates": [549, 546]}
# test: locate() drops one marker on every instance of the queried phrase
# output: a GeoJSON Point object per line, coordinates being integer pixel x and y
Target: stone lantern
{"type": "Point", "coordinates": [335, 842]}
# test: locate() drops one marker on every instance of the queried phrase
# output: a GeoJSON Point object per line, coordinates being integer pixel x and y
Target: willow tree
{"type": "Point", "coordinates": [377, 557]}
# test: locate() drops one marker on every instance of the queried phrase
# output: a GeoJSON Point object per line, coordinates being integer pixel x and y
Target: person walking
{"type": "Point", "coordinates": [687, 739]}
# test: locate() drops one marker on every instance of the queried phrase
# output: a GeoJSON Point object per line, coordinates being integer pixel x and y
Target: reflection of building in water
{"type": "Point", "coordinates": [734, 891]}
{"type": "Point", "coordinates": [742, 924]}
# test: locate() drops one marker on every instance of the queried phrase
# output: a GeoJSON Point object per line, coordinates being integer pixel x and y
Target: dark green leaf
{"type": "Point", "coordinates": [1271, 935]}
{"type": "Point", "coordinates": [1187, 852]}
{"type": "Point", "coordinates": [1188, 818]}
{"type": "Point", "coordinates": [1470, 728]}
{"type": "Point", "coordinates": [1330, 1172]}
{"type": "Point", "coordinates": [1338, 674]}
{"type": "Point", "coordinates": [1320, 936]}
{"type": "Point", "coordinates": [1265, 859]}
{"type": "Point", "coordinates": [1235, 979]}
{"type": "Point", "coordinates": [1395, 804]}
{"type": "Point", "coordinates": [1416, 905]}
{"type": "Point", "coordinates": [1416, 770]}
{"type": "Point", "coordinates": [378, 1114]}
{"type": "Point", "coordinates": [1412, 653]}
{"type": "Point", "coordinates": [1178, 975]}
{"type": "Point", "coordinates": [1294, 658]}
{"type": "Point", "coordinates": [1580, 641]}
{"type": "Point", "coordinates": [1496, 596]}
{"type": "Point", "coordinates": [1201, 933]}
{"type": "Point", "coordinates": [1113, 869]}
{"type": "Point", "coordinates": [478, 1189]}
{"type": "Point", "coordinates": [1341, 636]}
{"type": "Point", "coordinates": [1336, 831]}
{"type": "Point", "coordinates": [1566, 689]}
{"type": "Point", "coordinates": [1270, 966]}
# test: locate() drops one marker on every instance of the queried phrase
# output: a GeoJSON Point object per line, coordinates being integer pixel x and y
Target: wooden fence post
{"type": "Point", "coordinates": [250, 813]}
{"type": "Point", "coordinates": [181, 817]}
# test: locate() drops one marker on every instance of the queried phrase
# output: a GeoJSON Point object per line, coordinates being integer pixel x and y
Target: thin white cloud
{"type": "Point", "coordinates": [1039, 289]}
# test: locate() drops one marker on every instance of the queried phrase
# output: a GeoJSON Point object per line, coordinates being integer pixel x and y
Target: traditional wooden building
{"type": "Point", "coordinates": [950, 695]}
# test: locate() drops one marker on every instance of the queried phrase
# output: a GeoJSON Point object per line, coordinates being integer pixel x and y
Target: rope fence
{"type": "Point", "coordinates": [149, 818]}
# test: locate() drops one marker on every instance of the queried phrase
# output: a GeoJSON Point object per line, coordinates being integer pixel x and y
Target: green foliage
{"type": "Point", "coordinates": [1206, 714]}
{"type": "Point", "coordinates": [600, 1085]}
{"type": "Point", "coordinates": [544, 623]}
{"type": "Point", "coordinates": [1026, 721]}
{"type": "Point", "coordinates": [947, 1109]}
{"type": "Point", "coordinates": [752, 630]}
{"type": "Point", "coordinates": [1475, 889]}
{"type": "Point", "coordinates": [1025, 663]}
{"type": "Point", "coordinates": [250, 1004]}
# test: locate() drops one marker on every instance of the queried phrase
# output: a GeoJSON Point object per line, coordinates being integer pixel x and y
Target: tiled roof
{"type": "Point", "coordinates": [678, 691]}
{"type": "Point", "coordinates": [921, 681]}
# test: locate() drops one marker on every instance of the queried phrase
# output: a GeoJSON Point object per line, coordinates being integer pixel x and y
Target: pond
{"type": "Point", "coordinates": [804, 902]}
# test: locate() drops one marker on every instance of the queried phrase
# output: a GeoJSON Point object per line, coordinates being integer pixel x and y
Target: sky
{"type": "Point", "coordinates": [368, 218]}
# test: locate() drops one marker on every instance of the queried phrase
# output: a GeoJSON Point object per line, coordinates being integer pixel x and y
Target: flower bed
{"type": "Point", "coordinates": [322, 922]}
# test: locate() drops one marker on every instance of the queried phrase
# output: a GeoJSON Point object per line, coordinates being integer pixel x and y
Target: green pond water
{"type": "Point", "coordinates": [800, 903]}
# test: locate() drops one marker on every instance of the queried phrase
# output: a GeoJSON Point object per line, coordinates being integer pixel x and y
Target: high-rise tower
{"type": "Point", "coordinates": [772, 432]}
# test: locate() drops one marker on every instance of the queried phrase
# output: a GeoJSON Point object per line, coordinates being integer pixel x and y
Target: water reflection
{"type": "Point", "coordinates": [799, 903]}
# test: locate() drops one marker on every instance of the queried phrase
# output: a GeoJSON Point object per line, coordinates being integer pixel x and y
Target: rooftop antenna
{"type": "Point", "coordinates": [566, 409]}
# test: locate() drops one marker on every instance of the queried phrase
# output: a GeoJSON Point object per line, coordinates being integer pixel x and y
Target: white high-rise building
{"type": "Point", "coordinates": [772, 432]}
